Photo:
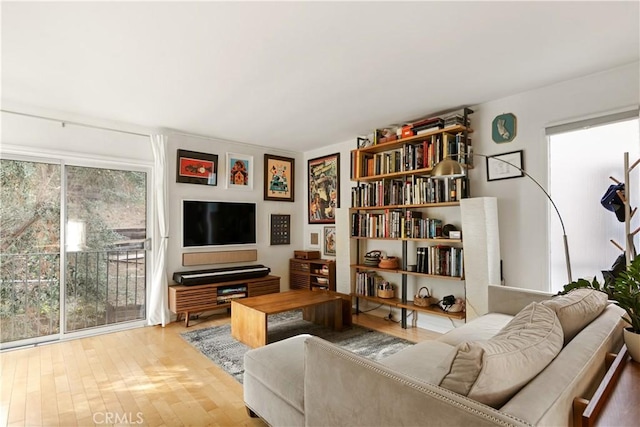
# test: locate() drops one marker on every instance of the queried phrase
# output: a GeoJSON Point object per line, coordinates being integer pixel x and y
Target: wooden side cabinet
{"type": "Point", "coordinates": [184, 300]}
{"type": "Point", "coordinates": [312, 274]}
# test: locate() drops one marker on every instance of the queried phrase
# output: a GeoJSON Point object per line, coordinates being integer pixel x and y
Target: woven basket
{"type": "Point", "coordinates": [423, 299]}
{"type": "Point", "coordinates": [386, 293]}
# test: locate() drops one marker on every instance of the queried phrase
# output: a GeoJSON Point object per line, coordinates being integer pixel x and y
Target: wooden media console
{"type": "Point", "coordinates": [186, 299]}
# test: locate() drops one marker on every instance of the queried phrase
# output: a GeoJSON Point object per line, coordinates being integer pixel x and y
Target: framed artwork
{"type": "Point", "coordinates": [280, 229]}
{"type": "Point", "coordinates": [324, 188]}
{"type": "Point", "coordinates": [279, 173]}
{"type": "Point", "coordinates": [504, 128]}
{"type": "Point", "coordinates": [314, 239]}
{"type": "Point", "coordinates": [197, 168]}
{"type": "Point", "coordinates": [505, 166]}
{"type": "Point", "coordinates": [330, 241]}
{"type": "Point", "coordinates": [239, 171]}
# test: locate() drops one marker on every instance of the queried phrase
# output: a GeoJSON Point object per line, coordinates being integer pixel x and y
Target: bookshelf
{"type": "Point", "coordinates": [396, 202]}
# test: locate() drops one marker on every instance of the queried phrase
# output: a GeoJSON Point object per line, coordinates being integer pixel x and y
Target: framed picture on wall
{"type": "Point", "coordinates": [279, 174]}
{"type": "Point", "coordinates": [330, 241]}
{"type": "Point", "coordinates": [505, 166]}
{"type": "Point", "coordinates": [239, 171]}
{"type": "Point", "coordinates": [197, 168]}
{"type": "Point", "coordinates": [324, 188]}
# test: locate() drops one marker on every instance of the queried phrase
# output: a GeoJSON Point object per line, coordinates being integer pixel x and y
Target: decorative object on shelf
{"type": "Point", "coordinates": [372, 258]}
{"type": "Point", "coordinates": [389, 262]}
{"type": "Point", "coordinates": [280, 229]}
{"type": "Point", "coordinates": [423, 299]}
{"type": "Point", "coordinates": [322, 280]}
{"type": "Point", "coordinates": [504, 128]}
{"type": "Point", "coordinates": [197, 168]}
{"type": "Point", "coordinates": [450, 168]}
{"type": "Point", "coordinates": [504, 166]}
{"type": "Point", "coordinates": [239, 171]}
{"type": "Point", "coordinates": [451, 304]}
{"type": "Point", "coordinates": [324, 188]}
{"type": "Point", "coordinates": [279, 175]}
{"type": "Point", "coordinates": [447, 229]}
{"type": "Point", "coordinates": [362, 142]}
{"type": "Point", "coordinates": [330, 241]}
{"type": "Point", "coordinates": [386, 290]}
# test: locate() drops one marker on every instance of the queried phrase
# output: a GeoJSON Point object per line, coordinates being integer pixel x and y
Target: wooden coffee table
{"type": "Point", "coordinates": [249, 315]}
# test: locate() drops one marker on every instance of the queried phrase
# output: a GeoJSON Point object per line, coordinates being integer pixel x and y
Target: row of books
{"type": "Point", "coordinates": [367, 283]}
{"type": "Point", "coordinates": [415, 190]}
{"type": "Point", "coordinates": [395, 224]}
{"type": "Point", "coordinates": [440, 260]}
{"type": "Point", "coordinates": [421, 155]}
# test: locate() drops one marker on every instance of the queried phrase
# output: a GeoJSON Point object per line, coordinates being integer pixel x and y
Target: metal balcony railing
{"type": "Point", "coordinates": [102, 288]}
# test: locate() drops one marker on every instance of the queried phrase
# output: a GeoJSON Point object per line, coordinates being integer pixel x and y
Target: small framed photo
{"type": "Point", "coordinates": [314, 239]}
{"type": "Point", "coordinates": [279, 175]}
{"type": "Point", "coordinates": [197, 168]}
{"type": "Point", "coordinates": [330, 241]}
{"type": "Point", "coordinates": [505, 166]}
{"type": "Point", "coordinates": [324, 189]}
{"type": "Point", "coordinates": [239, 171]}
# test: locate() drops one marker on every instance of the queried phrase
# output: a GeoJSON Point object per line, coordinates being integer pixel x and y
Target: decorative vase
{"type": "Point", "coordinates": [632, 340]}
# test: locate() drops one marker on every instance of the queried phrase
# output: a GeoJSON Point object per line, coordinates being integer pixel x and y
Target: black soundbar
{"type": "Point", "coordinates": [216, 275]}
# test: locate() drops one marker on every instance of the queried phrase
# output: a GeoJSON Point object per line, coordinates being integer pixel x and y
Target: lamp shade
{"type": "Point", "coordinates": [447, 168]}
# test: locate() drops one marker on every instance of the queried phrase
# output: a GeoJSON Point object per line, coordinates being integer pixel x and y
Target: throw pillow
{"type": "Point", "coordinates": [577, 309]}
{"type": "Point", "coordinates": [492, 371]}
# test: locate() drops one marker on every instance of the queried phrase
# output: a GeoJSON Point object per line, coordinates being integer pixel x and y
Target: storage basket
{"type": "Point", "coordinates": [388, 262]}
{"type": "Point", "coordinates": [386, 293]}
{"type": "Point", "coordinates": [423, 299]}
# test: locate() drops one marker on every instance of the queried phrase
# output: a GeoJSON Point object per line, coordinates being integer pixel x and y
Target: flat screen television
{"type": "Point", "coordinates": [209, 223]}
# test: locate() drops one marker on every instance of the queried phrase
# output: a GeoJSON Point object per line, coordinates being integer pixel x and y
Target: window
{"type": "Point", "coordinates": [582, 157]}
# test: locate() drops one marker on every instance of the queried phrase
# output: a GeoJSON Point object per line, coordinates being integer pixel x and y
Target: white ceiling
{"type": "Point", "coordinates": [299, 75]}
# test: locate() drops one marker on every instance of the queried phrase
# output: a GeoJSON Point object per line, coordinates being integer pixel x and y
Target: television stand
{"type": "Point", "coordinates": [188, 299]}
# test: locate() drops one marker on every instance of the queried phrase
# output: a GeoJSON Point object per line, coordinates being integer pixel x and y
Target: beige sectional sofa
{"type": "Point", "coordinates": [521, 364]}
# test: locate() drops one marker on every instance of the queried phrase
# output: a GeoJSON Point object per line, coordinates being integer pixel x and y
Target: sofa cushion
{"type": "Point", "coordinates": [280, 367]}
{"type": "Point", "coordinates": [421, 360]}
{"type": "Point", "coordinates": [492, 371]}
{"type": "Point", "coordinates": [482, 328]}
{"type": "Point", "coordinates": [577, 309]}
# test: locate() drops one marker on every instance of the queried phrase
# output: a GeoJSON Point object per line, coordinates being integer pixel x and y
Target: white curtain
{"type": "Point", "coordinates": [158, 304]}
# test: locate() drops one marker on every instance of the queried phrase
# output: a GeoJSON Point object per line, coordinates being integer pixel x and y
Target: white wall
{"type": "Point", "coordinates": [523, 209]}
{"type": "Point", "coordinates": [275, 257]}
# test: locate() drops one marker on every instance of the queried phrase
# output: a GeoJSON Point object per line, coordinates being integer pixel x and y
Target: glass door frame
{"type": "Point", "coordinates": [64, 160]}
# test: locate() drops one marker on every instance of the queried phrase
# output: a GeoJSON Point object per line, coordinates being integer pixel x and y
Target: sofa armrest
{"type": "Point", "coordinates": [344, 389]}
{"type": "Point", "coordinates": [510, 300]}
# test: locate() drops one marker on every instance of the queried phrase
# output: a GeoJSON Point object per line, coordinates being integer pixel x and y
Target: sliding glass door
{"type": "Point", "coordinates": [72, 249]}
{"type": "Point", "coordinates": [30, 195]}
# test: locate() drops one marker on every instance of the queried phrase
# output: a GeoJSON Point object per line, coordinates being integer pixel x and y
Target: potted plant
{"type": "Point", "coordinates": [624, 291]}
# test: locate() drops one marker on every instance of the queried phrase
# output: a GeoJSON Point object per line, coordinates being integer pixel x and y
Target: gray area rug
{"type": "Point", "coordinates": [225, 351]}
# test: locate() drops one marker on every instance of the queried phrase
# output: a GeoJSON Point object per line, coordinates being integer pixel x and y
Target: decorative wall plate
{"type": "Point", "coordinates": [504, 128]}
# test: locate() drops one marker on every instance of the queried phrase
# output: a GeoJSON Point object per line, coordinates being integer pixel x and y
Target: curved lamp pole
{"type": "Point", "coordinates": [451, 168]}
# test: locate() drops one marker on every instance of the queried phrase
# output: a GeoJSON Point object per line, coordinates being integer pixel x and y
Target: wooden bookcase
{"type": "Point", "coordinates": [394, 183]}
{"type": "Point", "coordinates": [184, 300]}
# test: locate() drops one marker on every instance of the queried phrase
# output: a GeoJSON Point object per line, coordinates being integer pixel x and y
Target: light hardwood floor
{"type": "Point", "coordinates": [146, 376]}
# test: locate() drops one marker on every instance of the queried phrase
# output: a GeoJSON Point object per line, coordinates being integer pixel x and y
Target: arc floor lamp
{"type": "Point", "coordinates": [449, 168]}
